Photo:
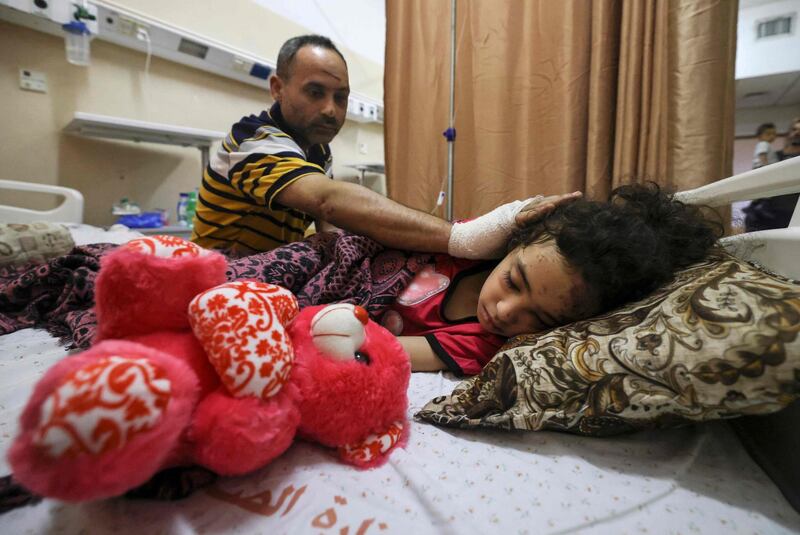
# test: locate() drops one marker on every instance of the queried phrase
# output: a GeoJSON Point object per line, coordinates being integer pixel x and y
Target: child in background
{"type": "Point", "coordinates": [764, 153]}
{"type": "Point", "coordinates": [582, 259]}
{"type": "Point", "coordinates": [775, 212]}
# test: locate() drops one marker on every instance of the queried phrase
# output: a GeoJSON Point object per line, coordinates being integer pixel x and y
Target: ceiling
{"type": "Point", "coordinates": [744, 4]}
{"type": "Point", "coordinates": [763, 91]}
{"type": "Point", "coordinates": [359, 25]}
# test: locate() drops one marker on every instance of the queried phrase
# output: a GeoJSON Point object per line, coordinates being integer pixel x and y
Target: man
{"type": "Point", "coordinates": [791, 145]}
{"type": "Point", "coordinates": [775, 212]}
{"type": "Point", "coordinates": [272, 176]}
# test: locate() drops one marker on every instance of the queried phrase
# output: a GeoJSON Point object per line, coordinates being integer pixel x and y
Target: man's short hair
{"type": "Point", "coordinates": [289, 51]}
{"type": "Point", "coordinates": [763, 128]}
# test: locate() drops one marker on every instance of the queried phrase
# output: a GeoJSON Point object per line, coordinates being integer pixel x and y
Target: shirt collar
{"type": "Point", "coordinates": [277, 117]}
{"type": "Point", "coordinates": [275, 114]}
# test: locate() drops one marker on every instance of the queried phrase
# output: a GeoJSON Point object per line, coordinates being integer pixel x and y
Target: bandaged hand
{"type": "Point", "coordinates": [487, 236]}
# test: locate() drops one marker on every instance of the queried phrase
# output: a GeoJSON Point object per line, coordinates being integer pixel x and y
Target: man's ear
{"type": "Point", "coordinates": [275, 87]}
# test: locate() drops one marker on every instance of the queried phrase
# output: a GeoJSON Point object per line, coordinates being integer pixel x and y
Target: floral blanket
{"type": "Point", "coordinates": [330, 267]}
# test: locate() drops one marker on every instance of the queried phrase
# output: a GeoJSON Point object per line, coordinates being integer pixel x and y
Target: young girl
{"type": "Point", "coordinates": [582, 259]}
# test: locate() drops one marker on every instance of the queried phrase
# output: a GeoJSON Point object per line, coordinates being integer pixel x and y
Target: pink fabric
{"type": "Point", "coordinates": [83, 477]}
{"type": "Point", "coordinates": [368, 398]}
{"type": "Point", "coordinates": [233, 436]}
{"type": "Point", "coordinates": [140, 406]}
{"type": "Point", "coordinates": [153, 296]}
{"type": "Point", "coordinates": [326, 268]}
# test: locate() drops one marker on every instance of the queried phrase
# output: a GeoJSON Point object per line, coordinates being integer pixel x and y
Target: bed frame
{"type": "Point", "coordinates": [777, 250]}
{"type": "Point", "coordinates": [70, 210]}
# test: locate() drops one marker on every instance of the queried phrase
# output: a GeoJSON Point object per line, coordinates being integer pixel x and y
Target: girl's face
{"type": "Point", "coordinates": [532, 289]}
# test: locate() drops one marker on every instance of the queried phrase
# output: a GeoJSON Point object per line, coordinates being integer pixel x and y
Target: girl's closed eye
{"type": "Point", "coordinates": [509, 283]}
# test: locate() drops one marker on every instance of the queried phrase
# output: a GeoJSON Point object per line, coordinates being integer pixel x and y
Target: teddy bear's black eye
{"type": "Point", "coordinates": [362, 357]}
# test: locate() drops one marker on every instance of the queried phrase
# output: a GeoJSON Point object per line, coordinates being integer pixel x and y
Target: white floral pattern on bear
{"type": "Point", "coordinates": [166, 247]}
{"type": "Point", "coordinates": [102, 406]}
{"type": "Point", "coordinates": [241, 327]}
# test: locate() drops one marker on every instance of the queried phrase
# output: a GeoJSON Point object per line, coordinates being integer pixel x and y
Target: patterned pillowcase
{"type": "Point", "coordinates": [23, 243]}
{"type": "Point", "coordinates": [721, 340]}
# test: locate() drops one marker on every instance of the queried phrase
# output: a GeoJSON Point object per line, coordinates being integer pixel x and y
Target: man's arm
{"type": "Point", "coordinates": [362, 211]}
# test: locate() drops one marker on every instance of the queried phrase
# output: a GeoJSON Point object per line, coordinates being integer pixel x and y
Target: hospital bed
{"type": "Point", "coordinates": [693, 479]}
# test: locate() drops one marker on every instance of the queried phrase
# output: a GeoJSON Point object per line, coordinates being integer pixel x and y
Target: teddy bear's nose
{"type": "Point", "coordinates": [361, 314]}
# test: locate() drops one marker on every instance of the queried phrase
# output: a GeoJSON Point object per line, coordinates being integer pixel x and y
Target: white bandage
{"type": "Point", "coordinates": [486, 236]}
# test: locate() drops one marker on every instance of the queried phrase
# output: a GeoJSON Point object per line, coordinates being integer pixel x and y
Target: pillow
{"type": "Point", "coordinates": [23, 243]}
{"type": "Point", "coordinates": [720, 340]}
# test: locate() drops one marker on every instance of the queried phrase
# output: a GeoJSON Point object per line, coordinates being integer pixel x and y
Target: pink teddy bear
{"type": "Point", "coordinates": [189, 369]}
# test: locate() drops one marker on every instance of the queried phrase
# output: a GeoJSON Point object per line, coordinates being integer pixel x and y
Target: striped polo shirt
{"type": "Point", "coordinates": [236, 207]}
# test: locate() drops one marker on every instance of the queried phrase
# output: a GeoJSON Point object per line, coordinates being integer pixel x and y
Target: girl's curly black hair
{"type": "Point", "coordinates": [628, 246]}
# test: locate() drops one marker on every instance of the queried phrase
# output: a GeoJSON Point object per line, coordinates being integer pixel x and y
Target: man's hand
{"type": "Point", "coordinates": [539, 207]}
{"type": "Point", "coordinates": [487, 235]}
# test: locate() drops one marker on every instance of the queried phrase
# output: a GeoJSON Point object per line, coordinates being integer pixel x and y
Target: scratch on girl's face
{"type": "Point", "coordinates": [534, 288]}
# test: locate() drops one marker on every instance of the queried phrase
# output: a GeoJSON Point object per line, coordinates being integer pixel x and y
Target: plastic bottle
{"type": "Point", "coordinates": [183, 202]}
{"type": "Point", "coordinates": [191, 206]}
{"type": "Point", "coordinates": [77, 36]}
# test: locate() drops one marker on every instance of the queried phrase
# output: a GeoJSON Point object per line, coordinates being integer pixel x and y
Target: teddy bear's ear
{"type": "Point", "coordinates": [374, 450]}
{"type": "Point", "coordinates": [242, 327]}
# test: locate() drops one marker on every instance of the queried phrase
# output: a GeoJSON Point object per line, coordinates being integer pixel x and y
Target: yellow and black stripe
{"type": "Point", "coordinates": [236, 207]}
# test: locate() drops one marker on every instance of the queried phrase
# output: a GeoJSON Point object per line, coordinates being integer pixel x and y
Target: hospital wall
{"type": "Point", "coordinates": [749, 119]}
{"type": "Point", "coordinates": [34, 148]}
{"type": "Point", "coordinates": [247, 25]}
{"type": "Point", "coordinates": [767, 55]}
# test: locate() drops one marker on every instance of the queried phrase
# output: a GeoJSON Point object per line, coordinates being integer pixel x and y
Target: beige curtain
{"type": "Point", "coordinates": [553, 97]}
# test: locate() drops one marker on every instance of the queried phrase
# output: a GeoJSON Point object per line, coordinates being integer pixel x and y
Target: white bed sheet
{"type": "Point", "coordinates": [693, 480]}
{"type": "Point", "coordinates": [84, 234]}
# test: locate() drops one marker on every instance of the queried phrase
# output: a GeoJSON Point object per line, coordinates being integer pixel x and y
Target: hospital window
{"type": "Point", "coordinates": [776, 26]}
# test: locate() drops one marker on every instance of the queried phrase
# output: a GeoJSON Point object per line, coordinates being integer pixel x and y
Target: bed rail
{"type": "Point", "coordinates": [768, 181]}
{"type": "Point", "coordinates": [69, 211]}
{"type": "Point", "coordinates": [778, 250]}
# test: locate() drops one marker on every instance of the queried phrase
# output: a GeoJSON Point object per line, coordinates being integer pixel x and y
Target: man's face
{"type": "Point", "coordinates": [314, 98]}
{"type": "Point", "coordinates": [794, 133]}
{"type": "Point", "coordinates": [769, 135]}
